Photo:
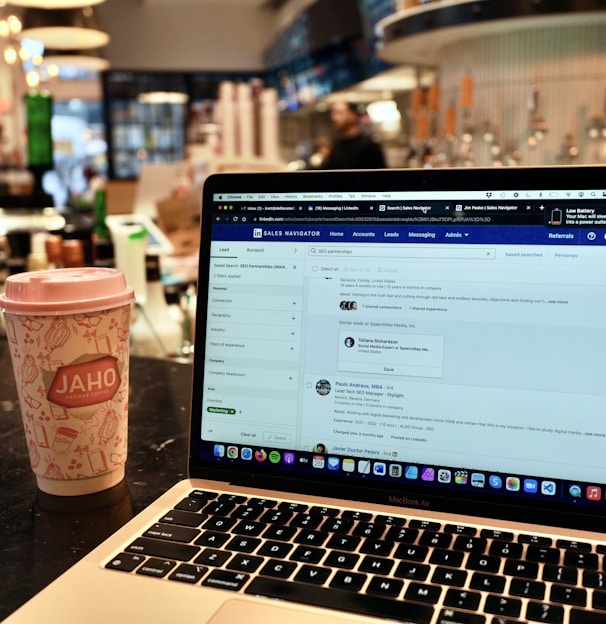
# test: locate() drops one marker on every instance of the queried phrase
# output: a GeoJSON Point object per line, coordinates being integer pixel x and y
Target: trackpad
{"type": "Point", "coordinates": [277, 613]}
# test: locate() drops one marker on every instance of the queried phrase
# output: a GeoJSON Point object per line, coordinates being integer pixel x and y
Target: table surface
{"type": "Point", "coordinates": [42, 536]}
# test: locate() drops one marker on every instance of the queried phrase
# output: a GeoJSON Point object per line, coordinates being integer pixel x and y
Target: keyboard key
{"type": "Point", "coordinates": [344, 542]}
{"type": "Point", "coordinates": [172, 533]}
{"type": "Point", "coordinates": [483, 563]}
{"type": "Point", "coordinates": [559, 574]}
{"type": "Point", "coordinates": [376, 565]}
{"type": "Point", "coordinates": [523, 569]}
{"type": "Point", "coordinates": [225, 579]}
{"type": "Point", "coordinates": [448, 616]}
{"type": "Point", "coordinates": [277, 516]}
{"type": "Point", "coordinates": [324, 511]}
{"type": "Point", "coordinates": [381, 548]}
{"type": "Point", "coordinates": [573, 545]}
{"type": "Point", "coordinates": [363, 604]}
{"type": "Point", "coordinates": [278, 569]}
{"type": "Point", "coordinates": [245, 563]}
{"type": "Point", "coordinates": [203, 494]}
{"type": "Point", "coordinates": [243, 544]}
{"type": "Point", "coordinates": [187, 573]}
{"type": "Point", "coordinates": [247, 512]}
{"type": "Point", "coordinates": [212, 539]}
{"type": "Point", "coordinates": [337, 525]}
{"type": "Point", "coordinates": [306, 521]}
{"type": "Point", "coordinates": [313, 574]}
{"type": "Point", "coordinates": [446, 576]}
{"type": "Point", "coordinates": [294, 507]}
{"type": "Point", "coordinates": [496, 534]}
{"type": "Point", "coordinates": [217, 508]}
{"type": "Point", "coordinates": [594, 579]}
{"type": "Point", "coordinates": [191, 504]}
{"type": "Point", "coordinates": [348, 580]}
{"type": "Point", "coordinates": [585, 617]}
{"type": "Point", "coordinates": [460, 529]}
{"type": "Point", "coordinates": [369, 529]}
{"type": "Point", "coordinates": [546, 555]}
{"type": "Point", "coordinates": [536, 540]}
{"type": "Point", "coordinates": [446, 558]}
{"type": "Point", "coordinates": [511, 550]}
{"type": "Point", "coordinates": [488, 582]}
{"type": "Point", "coordinates": [265, 503]}
{"type": "Point", "coordinates": [312, 538]}
{"type": "Point", "coordinates": [237, 499]}
{"type": "Point", "coordinates": [279, 533]}
{"type": "Point", "coordinates": [437, 540]}
{"type": "Point", "coordinates": [568, 595]}
{"type": "Point", "coordinates": [425, 525]}
{"type": "Point", "coordinates": [391, 520]}
{"type": "Point", "coordinates": [360, 516]}
{"type": "Point", "coordinates": [346, 561]}
{"type": "Point", "coordinates": [126, 562]}
{"type": "Point", "coordinates": [156, 567]}
{"type": "Point", "coordinates": [411, 553]}
{"type": "Point", "coordinates": [580, 559]}
{"type": "Point", "coordinates": [275, 549]}
{"type": "Point", "coordinates": [401, 534]}
{"type": "Point", "coordinates": [537, 612]}
{"type": "Point", "coordinates": [462, 599]}
{"type": "Point", "coordinates": [162, 549]}
{"type": "Point", "coordinates": [219, 523]}
{"type": "Point", "coordinates": [599, 600]}
{"type": "Point", "coordinates": [470, 544]}
{"type": "Point", "coordinates": [423, 593]}
{"type": "Point", "coordinates": [184, 518]}
{"type": "Point", "coordinates": [527, 589]}
{"type": "Point", "coordinates": [500, 605]}
{"type": "Point", "coordinates": [212, 557]}
{"type": "Point", "coordinates": [385, 587]}
{"type": "Point", "coordinates": [307, 554]}
{"type": "Point", "coordinates": [412, 571]}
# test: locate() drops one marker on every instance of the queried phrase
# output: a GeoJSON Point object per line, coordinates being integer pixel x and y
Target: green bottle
{"type": "Point", "coordinates": [101, 230]}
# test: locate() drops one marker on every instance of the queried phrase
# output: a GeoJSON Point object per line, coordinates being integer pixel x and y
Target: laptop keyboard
{"type": "Point", "coordinates": [408, 570]}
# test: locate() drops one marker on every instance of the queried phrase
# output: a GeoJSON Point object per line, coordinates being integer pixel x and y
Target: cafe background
{"type": "Point", "coordinates": [150, 96]}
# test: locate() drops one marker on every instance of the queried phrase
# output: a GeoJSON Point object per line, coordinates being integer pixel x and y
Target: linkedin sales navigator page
{"type": "Point", "coordinates": [442, 329]}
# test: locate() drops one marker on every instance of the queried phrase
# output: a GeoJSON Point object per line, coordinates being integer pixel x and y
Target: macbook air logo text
{"type": "Point", "coordinates": [409, 502]}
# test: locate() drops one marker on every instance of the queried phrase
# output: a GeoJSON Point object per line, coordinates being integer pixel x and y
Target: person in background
{"type": "Point", "coordinates": [352, 148]}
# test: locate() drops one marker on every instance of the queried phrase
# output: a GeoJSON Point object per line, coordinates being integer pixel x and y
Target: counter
{"type": "Point", "coordinates": [41, 536]}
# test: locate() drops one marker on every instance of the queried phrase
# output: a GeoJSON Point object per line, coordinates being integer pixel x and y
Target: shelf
{"type": "Point", "coordinates": [419, 35]}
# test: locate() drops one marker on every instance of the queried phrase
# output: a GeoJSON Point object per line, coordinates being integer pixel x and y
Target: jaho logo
{"type": "Point", "coordinates": [85, 383]}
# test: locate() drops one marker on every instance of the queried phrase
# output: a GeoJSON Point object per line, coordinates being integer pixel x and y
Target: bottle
{"type": "Point", "coordinates": [103, 247]}
{"type": "Point", "coordinates": [37, 260]}
{"type": "Point", "coordinates": [155, 332]}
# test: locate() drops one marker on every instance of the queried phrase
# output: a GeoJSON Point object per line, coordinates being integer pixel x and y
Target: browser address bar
{"type": "Point", "coordinates": [398, 251]}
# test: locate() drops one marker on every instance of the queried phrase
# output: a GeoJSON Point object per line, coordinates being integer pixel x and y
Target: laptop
{"type": "Point", "coordinates": [397, 412]}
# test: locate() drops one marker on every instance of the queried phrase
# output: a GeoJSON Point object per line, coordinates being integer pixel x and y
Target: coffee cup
{"type": "Point", "coordinates": [68, 335]}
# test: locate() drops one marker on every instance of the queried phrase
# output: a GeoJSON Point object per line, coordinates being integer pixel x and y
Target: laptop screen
{"type": "Point", "coordinates": [416, 338]}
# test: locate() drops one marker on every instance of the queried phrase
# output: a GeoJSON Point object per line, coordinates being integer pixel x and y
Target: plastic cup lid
{"type": "Point", "coordinates": [65, 291]}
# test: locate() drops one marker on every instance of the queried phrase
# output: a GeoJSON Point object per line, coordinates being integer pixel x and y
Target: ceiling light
{"type": "Point", "coordinates": [55, 4]}
{"type": "Point", "coordinates": [88, 60]}
{"type": "Point", "coordinates": [163, 97]}
{"type": "Point", "coordinates": [64, 29]}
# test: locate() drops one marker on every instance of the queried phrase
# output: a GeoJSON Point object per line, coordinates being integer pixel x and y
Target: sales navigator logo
{"type": "Point", "coordinates": [261, 233]}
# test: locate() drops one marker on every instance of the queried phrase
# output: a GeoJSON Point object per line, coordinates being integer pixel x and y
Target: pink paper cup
{"type": "Point", "coordinates": [68, 334]}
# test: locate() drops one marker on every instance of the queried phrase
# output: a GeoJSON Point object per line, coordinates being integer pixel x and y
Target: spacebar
{"type": "Point", "coordinates": [362, 604]}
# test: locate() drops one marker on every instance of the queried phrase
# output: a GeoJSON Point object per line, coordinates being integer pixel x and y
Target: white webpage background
{"type": "Point", "coordinates": [492, 360]}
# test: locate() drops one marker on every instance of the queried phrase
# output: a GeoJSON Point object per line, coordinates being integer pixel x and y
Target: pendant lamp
{"type": "Point", "coordinates": [64, 29]}
{"type": "Point", "coordinates": [54, 4]}
{"type": "Point", "coordinates": [88, 60]}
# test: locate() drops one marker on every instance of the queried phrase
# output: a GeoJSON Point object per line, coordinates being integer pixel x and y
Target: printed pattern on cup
{"type": "Point", "coordinates": [72, 378]}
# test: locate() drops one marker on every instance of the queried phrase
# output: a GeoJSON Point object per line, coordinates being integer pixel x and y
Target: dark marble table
{"type": "Point", "coordinates": [41, 536]}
